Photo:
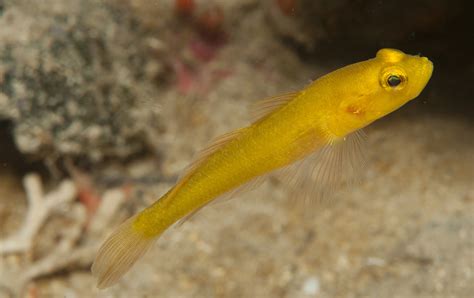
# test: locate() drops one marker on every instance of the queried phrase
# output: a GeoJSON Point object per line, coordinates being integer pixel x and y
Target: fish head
{"type": "Point", "coordinates": [379, 86]}
{"type": "Point", "coordinates": [401, 78]}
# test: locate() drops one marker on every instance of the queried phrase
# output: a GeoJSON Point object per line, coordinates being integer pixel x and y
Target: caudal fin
{"type": "Point", "coordinates": [118, 254]}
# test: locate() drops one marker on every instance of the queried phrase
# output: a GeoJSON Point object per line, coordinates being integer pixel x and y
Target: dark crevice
{"type": "Point", "coordinates": [12, 159]}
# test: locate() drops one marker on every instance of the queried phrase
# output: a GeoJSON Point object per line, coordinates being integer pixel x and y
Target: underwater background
{"type": "Point", "coordinates": [103, 103]}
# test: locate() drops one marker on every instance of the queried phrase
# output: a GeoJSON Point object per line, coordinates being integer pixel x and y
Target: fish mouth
{"type": "Point", "coordinates": [427, 68]}
{"type": "Point", "coordinates": [424, 72]}
{"type": "Point", "coordinates": [427, 63]}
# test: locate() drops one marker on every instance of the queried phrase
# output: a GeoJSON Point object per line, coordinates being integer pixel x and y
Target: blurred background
{"type": "Point", "coordinates": [104, 102]}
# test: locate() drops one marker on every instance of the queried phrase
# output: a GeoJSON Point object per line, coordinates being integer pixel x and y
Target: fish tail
{"type": "Point", "coordinates": [119, 252]}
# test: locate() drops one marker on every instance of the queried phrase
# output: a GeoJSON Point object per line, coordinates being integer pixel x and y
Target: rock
{"type": "Point", "coordinates": [74, 79]}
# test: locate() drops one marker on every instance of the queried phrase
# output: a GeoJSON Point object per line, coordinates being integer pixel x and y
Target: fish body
{"type": "Point", "coordinates": [254, 151]}
{"type": "Point", "coordinates": [292, 127]}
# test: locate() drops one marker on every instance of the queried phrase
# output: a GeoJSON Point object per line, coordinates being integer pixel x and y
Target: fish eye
{"type": "Point", "coordinates": [394, 80]}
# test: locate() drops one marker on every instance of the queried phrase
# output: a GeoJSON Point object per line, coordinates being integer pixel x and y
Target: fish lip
{"type": "Point", "coordinates": [426, 70]}
{"type": "Point", "coordinates": [424, 59]}
{"type": "Point", "coordinates": [427, 67]}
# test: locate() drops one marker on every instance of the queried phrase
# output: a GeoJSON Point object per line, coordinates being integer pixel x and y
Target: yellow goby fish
{"type": "Point", "coordinates": [318, 124]}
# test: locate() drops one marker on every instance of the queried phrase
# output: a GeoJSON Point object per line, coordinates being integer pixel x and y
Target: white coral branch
{"type": "Point", "coordinates": [65, 254]}
{"type": "Point", "coordinates": [68, 252]}
{"type": "Point", "coordinates": [60, 256]}
{"type": "Point", "coordinates": [39, 208]}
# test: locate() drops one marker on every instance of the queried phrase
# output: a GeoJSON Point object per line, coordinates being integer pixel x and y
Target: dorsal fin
{"type": "Point", "coordinates": [261, 109]}
{"type": "Point", "coordinates": [214, 146]}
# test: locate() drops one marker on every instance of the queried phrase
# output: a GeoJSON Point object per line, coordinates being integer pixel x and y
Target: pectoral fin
{"type": "Point", "coordinates": [321, 174]}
